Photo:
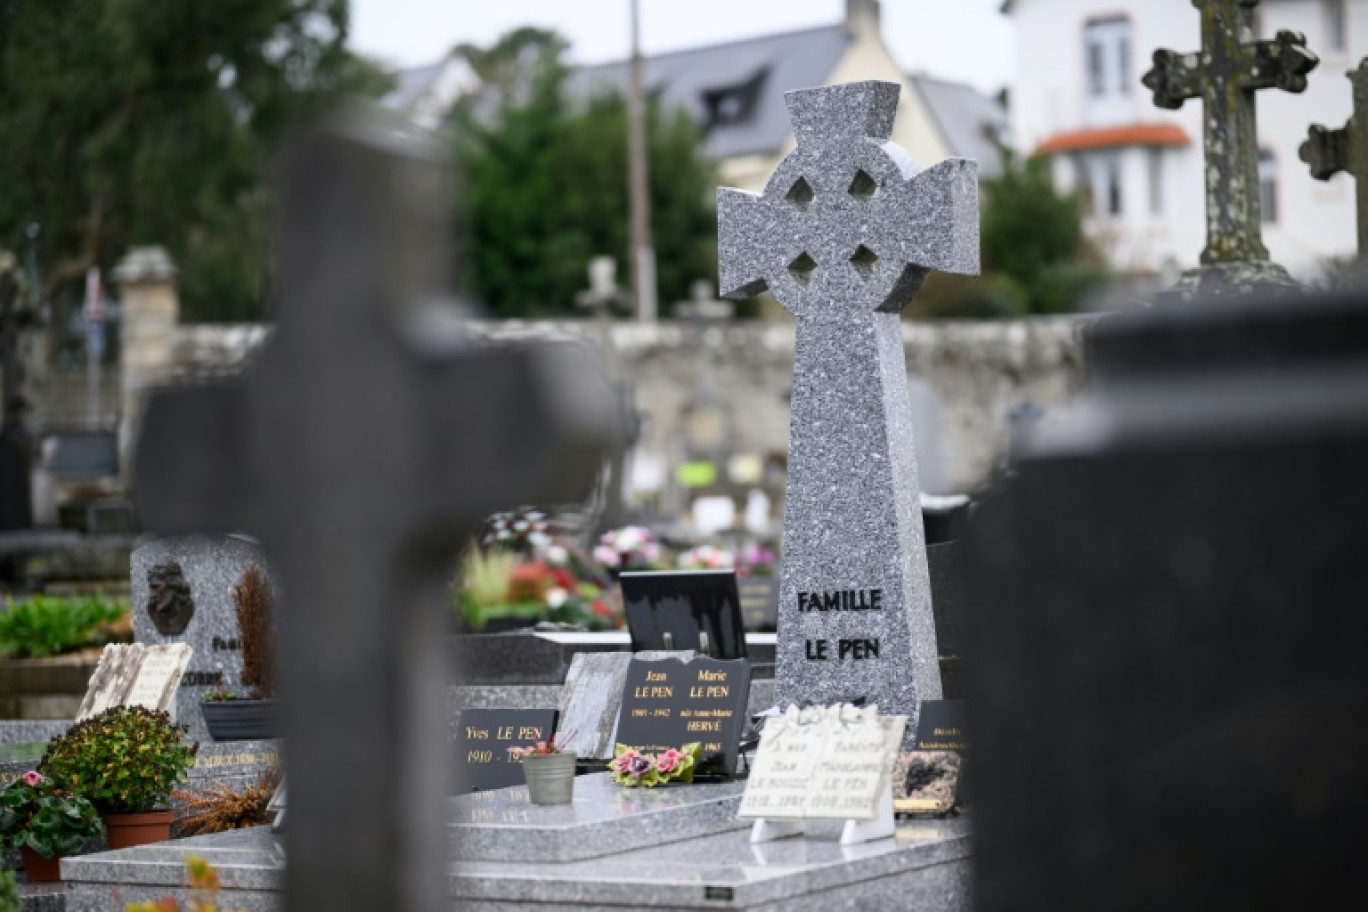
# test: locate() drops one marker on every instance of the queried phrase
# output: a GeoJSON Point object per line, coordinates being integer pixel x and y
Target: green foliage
{"type": "Point", "coordinates": [46, 625]}
{"type": "Point", "coordinates": [42, 814]}
{"type": "Point", "coordinates": [150, 121]}
{"type": "Point", "coordinates": [1033, 236]}
{"type": "Point", "coordinates": [125, 760]}
{"type": "Point", "coordinates": [9, 893]}
{"type": "Point", "coordinates": [545, 190]}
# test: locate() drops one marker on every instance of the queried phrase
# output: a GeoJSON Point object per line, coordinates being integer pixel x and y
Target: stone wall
{"type": "Point", "coordinates": [968, 379]}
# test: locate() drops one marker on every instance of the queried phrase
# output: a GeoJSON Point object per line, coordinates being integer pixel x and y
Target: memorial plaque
{"type": "Point", "coordinates": [672, 703]}
{"type": "Point", "coordinates": [592, 696]}
{"type": "Point", "coordinates": [698, 610]}
{"type": "Point", "coordinates": [823, 763]}
{"type": "Point", "coordinates": [136, 675]}
{"type": "Point", "coordinates": [482, 742]}
{"type": "Point", "coordinates": [941, 727]}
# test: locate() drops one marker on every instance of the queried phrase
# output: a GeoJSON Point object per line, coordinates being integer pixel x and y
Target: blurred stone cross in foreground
{"type": "Point", "coordinates": [1225, 74]}
{"type": "Point", "coordinates": [843, 235]}
{"type": "Point", "coordinates": [362, 447]}
{"type": "Point", "coordinates": [1329, 152]}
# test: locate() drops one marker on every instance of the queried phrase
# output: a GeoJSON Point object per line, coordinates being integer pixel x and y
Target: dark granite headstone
{"type": "Point", "coordinates": [670, 703]}
{"type": "Point", "coordinates": [698, 610]}
{"type": "Point", "coordinates": [483, 740]}
{"type": "Point", "coordinates": [1167, 679]}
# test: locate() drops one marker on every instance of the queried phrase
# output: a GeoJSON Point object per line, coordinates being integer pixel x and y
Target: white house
{"type": "Point", "coordinates": [1077, 97]}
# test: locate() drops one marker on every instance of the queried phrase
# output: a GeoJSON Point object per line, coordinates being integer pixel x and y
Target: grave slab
{"type": "Point", "coordinates": [925, 865]}
{"type": "Point", "coordinates": [603, 819]}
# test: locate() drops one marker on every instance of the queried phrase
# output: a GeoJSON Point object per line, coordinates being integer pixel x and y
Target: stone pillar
{"type": "Point", "coordinates": [150, 314]}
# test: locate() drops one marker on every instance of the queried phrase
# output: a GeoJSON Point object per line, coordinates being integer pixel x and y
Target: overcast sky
{"type": "Point", "coordinates": [963, 40]}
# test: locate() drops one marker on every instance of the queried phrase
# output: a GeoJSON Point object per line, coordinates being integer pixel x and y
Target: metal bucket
{"type": "Point", "coordinates": [550, 777]}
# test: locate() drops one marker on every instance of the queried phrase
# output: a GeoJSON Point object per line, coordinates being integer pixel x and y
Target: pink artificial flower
{"type": "Point", "coordinates": [623, 761]}
{"type": "Point", "coordinates": [667, 760]}
{"type": "Point", "coordinates": [32, 778]}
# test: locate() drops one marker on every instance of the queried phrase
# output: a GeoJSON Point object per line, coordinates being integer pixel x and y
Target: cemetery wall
{"type": "Point", "coordinates": [974, 376]}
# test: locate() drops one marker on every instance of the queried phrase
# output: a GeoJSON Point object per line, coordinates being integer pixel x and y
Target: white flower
{"type": "Point", "coordinates": [557, 556]}
{"type": "Point", "coordinates": [556, 597]}
{"type": "Point", "coordinates": [538, 540]}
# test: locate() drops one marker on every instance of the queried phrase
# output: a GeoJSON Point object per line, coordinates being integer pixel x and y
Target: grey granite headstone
{"type": "Point", "coordinates": [211, 565]}
{"type": "Point", "coordinates": [592, 696]}
{"type": "Point", "coordinates": [843, 235]}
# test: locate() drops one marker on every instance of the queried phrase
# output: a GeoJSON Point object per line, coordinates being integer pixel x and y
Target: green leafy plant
{"type": "Point", "coordinates": [9, 893]}
{"type": "Point", "coordinates": [39, 813]}
{"type": "Point", "coordinates": [46, 625]}
{"type": "Point", "coordinates": [125, 760]}
{"type": "Point", "coordinates": [633, 769]}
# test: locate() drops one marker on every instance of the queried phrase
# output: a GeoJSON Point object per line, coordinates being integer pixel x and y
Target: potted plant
{"type": "Point", "coordinates": [550, 771]}
{"type": "Point", "coordinates": [125, 761]}
{"type": "Point", "coordinates": [44, 820]}
{"type": "Point", "coordinates": [230, 716]}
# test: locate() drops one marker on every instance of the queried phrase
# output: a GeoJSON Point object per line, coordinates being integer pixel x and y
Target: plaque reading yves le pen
{"type": "Point", "coordinates": [823, 762]}
{"type": "Point", "coordinates": [669, 703]}
{"type": "Point", "coordinates": [483, 740]}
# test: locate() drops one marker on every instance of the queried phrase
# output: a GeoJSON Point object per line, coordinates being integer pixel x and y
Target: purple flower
{"type": "Point", "coordinates": [639, 766]}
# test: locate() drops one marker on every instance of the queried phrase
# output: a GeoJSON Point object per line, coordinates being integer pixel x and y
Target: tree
{"type": "Point", "coordinates": [1035, 257]}
{"type": "Point", "coordinates": [151, 121]}
{"type": "Point", "coordinates": [545, 186]}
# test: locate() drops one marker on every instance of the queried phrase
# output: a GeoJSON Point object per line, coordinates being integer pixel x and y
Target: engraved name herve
{"type": "Point", "coordinates": [845, 232]}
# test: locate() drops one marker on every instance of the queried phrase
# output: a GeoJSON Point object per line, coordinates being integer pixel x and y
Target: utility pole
{"type": "Point", "coordinates": [643, 252]}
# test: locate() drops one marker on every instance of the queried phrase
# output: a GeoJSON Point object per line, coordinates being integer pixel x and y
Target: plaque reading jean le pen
{"type": "Point", "coordinates": [483, 740]}
{"type": "Point", "coordinates": [698, 610]}
{"type": "Point", "coordinates": [670, 703]}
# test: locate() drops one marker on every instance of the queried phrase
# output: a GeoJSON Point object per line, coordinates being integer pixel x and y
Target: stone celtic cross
{"type": "Point", "coordinates": [1225, 74]}
{"type": "Point", "coordinates": [843, 235]}
{"type": "Point", "coordinates": [362, 446]}
{"type": "Point", "coordinates": [1330, 151]}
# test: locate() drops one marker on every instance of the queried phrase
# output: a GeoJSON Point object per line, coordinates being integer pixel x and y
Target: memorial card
{"type": "Point", "coordinates": [136, 675]}
{"type": "Point", "coordinates": [670, 703]}
{"type": "Point", "coordinates": [482, 742]}
{"type": "Point", "coordinates": [823, 763]}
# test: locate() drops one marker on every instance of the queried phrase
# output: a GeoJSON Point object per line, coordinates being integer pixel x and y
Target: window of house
{"type": "Point", "coordinates": [1333, 12]}
{"type": "Point", "coordinates": [1268, 186]}
{"type": "Point", "coordinates": [1111, 170]}
{"type": "Point", "coordinates": [1107, 43]}
{"type": "Point", "coordinates": [1156, 181]}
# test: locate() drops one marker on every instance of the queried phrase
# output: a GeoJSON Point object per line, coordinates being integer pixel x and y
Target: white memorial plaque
{"type": "Point", "coordinates": [136, 675]}
{"type": "Point", "coordinates": [824, 763]}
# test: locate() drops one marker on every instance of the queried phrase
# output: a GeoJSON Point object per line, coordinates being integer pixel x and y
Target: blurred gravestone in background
{"type": "Point", "coordinates": [1167, 685]}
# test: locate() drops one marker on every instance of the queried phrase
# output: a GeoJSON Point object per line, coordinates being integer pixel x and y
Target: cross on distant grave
{"type": "Point", "coordinates": [1330, 151]}
{"type": "Point", "coordinates": [1225, 74]}
{"type": "Point", "coordinates": [368, 439]}
{"type": "Point", "coordinates": [843, 236]}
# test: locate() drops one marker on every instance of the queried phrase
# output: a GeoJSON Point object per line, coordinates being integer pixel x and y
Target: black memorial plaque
{"type": "Point", "coordinates": [670, 703]}
{"type": "Point", "coordinates": [483, 740]}
{"type": "Point", "coordinates": [674, 610]}
{"type": "Point", "coordinates": [940, 726]}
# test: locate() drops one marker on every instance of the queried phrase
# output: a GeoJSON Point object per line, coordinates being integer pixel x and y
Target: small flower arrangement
{"type": "Point", "coordinates": [706, 557]}
{"type": "Point", "coordinates": [37, 812]}
{"type": "Point", "coordinates": [628, 548]}
{"type": "Point", "coordinates": [633, 769]}
{"type": "Point", "coordinates": [524, 531]}
{"type": "Point", "coordinates": [755, 561]}
{"type": "Point", "coordinates": [541, 748]}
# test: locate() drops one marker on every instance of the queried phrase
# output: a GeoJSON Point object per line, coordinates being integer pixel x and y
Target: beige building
{"type": "Point", "coordinates": [735, 91]}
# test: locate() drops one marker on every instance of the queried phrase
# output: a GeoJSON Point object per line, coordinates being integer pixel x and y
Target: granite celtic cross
{"type": "Point", "coordinates": [1225, 74]}
{"type": "Point", "coordinates": [362, 446]}
{"type": "Point", "coordinates": [1330, 151]}
{"type": "Point", "coordinates": [844, 234]}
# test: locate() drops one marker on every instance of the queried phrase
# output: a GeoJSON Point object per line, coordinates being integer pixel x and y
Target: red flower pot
{"type": "Point", "coordinates": [128, 830]}
{"type": "Point", "coordinates": [39, 869]}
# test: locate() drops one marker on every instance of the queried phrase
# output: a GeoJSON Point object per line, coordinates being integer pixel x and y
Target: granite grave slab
{"type": "Point", "coordinates": [843, 235]}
